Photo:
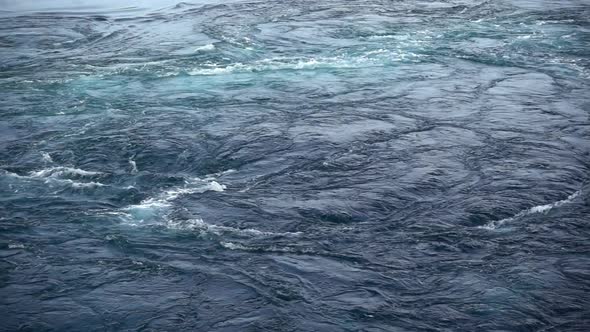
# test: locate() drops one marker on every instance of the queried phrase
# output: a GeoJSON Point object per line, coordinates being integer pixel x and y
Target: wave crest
{"type": "Point", "coordinates": [533, 210]}
{"type": "Point", "coordinates": [62, 171]}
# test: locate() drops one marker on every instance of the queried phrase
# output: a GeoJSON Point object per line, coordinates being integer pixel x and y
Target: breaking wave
{"type": "Point", "coordinates": [62, 171]}
{"type": "Point", "coordinates": [533, 210]}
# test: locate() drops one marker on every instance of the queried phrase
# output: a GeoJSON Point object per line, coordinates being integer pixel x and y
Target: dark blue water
{"type": "Point", "coordinates": [295, 165]}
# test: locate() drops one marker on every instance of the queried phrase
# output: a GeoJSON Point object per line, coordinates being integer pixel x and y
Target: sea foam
{"type": "Point", "coordinates": [157, 207]}
{"type": "Point", "coordinates": [61, 171]}
{"type": "Point", "coordinates": [533, 210]}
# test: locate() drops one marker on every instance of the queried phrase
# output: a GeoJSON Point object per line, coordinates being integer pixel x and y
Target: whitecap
{"type": "Point", "coordinates": [91, 184]}
{"type": "Point", "coordinates": [218, 70]}
{"type": "Point", "coordinates": [15, 245]}
{"type": "Point", "coordinates": [157, 207]}
{"type": "Point", "coordinates": [133, 165]}
{"type": "Point", "coordinates": [52, 176]}
{"type": "Point", "coordinates": [234, 246]}
{"type": "Point", "coordinates": [533, 210]}
{"type": "Point", "coordinates": [75, 184]}
{"type": "Point", "coordinates": [402, 37]}
{"type": "Point", "coordinates": [238, 246]}
{"type": "Point", "coordinates": [208, 47]}
{"type": "Point", "coordinates": [60, 171]}
{"type": "Point", "coordinates": [46, 157]}
{"type": "Point", "coordinates": [156, 210]}
{"type": "Point", "coordinates": [200, 225]}
{"type": "Point", "coordinates": [147, 210]}
{"type": "Point", "coordinates": [215, 186]}
{"type": "Point", "coordinates": [279, 64]}
{"type": "Point", "coordinates": [173, 194]}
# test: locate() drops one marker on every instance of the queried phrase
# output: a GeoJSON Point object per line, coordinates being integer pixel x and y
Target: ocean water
{"type": "Point", "coordinates": [297, 165]}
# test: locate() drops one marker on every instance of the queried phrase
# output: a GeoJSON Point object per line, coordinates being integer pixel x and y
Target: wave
{"type": "Point", "coordinates": [46, 157]}
{"type": "Point", "coordinates": [158, 205]}
{"type": "Point", "coordinates": [54, 175]}
{"type": "Point", "coordinates": [156, 211]}
{"type": "Point", "coordinates": [378, 57]}
{"type": "Point", "coordinates": [533, 210]}
{"type": "Point", "coordinates": [16, 245]}
{"type": "Point", "coordinates": [204, 48]}
{"type": "Point", "coordinates": [11, 174]}
{"type": "Point", "coordinates": [200, 225]}
{"type": "Point", "coordinates": [76, 184]}
{"type": "Point", "coordinates": [172, 194]}
{"type": "Point", "coordinates": [269, 65]}
{"type": "Point", "coordinates": [133, 166]}
{"type": "Point", "coordinates": [272, 249]}
{"type": "Point", "coordinates": [61, 171]}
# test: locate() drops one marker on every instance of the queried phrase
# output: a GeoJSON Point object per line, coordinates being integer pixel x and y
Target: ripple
{"type": "Point", "coordinates": [239, 165]}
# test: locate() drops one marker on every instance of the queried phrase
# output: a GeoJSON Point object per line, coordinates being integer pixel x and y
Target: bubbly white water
{"type": "Point", "coordinates": [76, 184]}
{"type": "Point", "coordinates": [46, 157]}
{"type": "Point", "coordinates": [202, 226]}
{"type": "Point", "coordinates": [59, 176]}
{"type": "Point", "coordinates": [157, 207]}
{"type": "Point", "coordinates": [133, 166]}
{"type": "Point", "coordinates": [156, 211]}
{"type": "Point", "coordinates": [377, 57]}
{"type": "Point", "coordinates": [62, 171]}
{"type": "Point", "coordinates": [533, 210]}
{"type": "Point", "coordinates": [204, 48]}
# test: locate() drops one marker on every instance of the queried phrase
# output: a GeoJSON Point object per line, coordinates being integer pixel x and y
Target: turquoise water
{"type": "Point", "coordinates": [295, 165]}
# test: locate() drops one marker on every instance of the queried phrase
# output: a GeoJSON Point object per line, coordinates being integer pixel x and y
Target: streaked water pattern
{"type": "Point", "coordinates": [297, 165]}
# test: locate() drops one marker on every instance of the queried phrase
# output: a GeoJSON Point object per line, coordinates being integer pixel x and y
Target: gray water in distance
{"type": "Point", "coordinates": [295, 165]}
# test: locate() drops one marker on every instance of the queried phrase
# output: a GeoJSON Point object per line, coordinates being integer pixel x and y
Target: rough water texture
{"type": "Point", "coordinates": [295, 166]}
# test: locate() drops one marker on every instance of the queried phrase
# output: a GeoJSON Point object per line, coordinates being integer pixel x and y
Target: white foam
{"type": "Point", "coordinates": [217, 70]}
{"type": "Point", "coordinates": [215, 186]}
{"type": "Point", "coordinates": [144, 211]}
{"type": "Point", "coordinates": [150, 203]}
{"type": "Point", "coordinates": [535, 209]}
{"type": "Point", "coordinates": [158, 205]}
{"type": "Point", "coordinates": [374, 52]}
{"type": "Point", "coordinates": [75, 184]}
{"type": "Point", "coordinates": [91, 184]}
{"type": "Point", "coordinates": [379, 57]}
{"type": "Point", "coordinates": [173, 194]}
{"type": "Point", "coordinates": [133, 166]}
{"type": "Point", "coordinates": [204, 48]}
{"type": "Point", "coordinates": [278, 64]}
{"type": "Point", "coordinates": [238, 246]}
{"type": "Point", "coordinates": [400, 37]}
{"type": "Point", "coordinates": [234, 246]}
{"type": "Point", "coordinates": [200, 225]}
{"type": "Point", "coordinates": [52, 176]}
{"type": "Point", "coordinates": [60, 171]}
{"type": "Point", "coordinates": [15, 245]}
{"type": "Point", "coordinates": [46, 157]}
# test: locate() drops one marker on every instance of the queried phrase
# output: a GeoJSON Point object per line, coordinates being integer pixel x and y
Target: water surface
{"type": "Point", "coordinates": [295, 165]}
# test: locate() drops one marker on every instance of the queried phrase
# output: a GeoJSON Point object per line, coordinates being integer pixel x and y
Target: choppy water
{"type": "Point", "coordinates": [295, 166]}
